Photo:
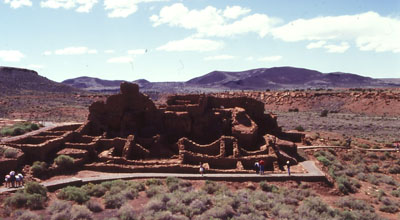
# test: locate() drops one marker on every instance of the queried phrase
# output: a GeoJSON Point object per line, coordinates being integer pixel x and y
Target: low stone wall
{"type": "Point", "coordinates": [212, 149]}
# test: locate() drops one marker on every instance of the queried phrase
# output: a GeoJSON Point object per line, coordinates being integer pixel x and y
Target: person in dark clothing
{"type": "Point", "coordinates": [12, 178]}
{"type": "Point", "coordinates": [257, 167]}
{"type": "Point", "coordinates": [288, 167]}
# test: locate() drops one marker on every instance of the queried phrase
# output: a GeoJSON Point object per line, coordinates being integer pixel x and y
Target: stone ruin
{"type": "Point", "coordinates": [129, 133]}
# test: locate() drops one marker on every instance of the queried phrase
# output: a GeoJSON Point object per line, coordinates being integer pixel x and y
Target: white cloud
{"type": "Point", "coordinates": [18, 3]}
{"type": "Point", "coordinates": [192, 44]}
{"type": "Point", "coordinates": [47, 53]}
{"type": "Point", "coordinates": [11, 55]}
{"type": "Point", "coordinates": [137, 51]}
{"type": "Point", "coordinates": [211, 21]}
{"type": "Point", "coordinates": [123, 8]}
{"type": "Point", "coordinates": [109, 51]}
{"type": "Point", "coordinates": [79, 5]}
{"type": "Point", "coordinates": [332, 48]}
{"type": "Point", "coordinates": [370, 31]}
{"type": "Point", "coordinates": [270, 58]}
{"type": "Point", "coordinates": [235, 11]}
{"type": "Point", "coordinates": [124, 59]}
{"type": "Point", "coordinates": [250, 58]}
{"type": "Point", "coordinates": [317, 44]}
{"type": "Point", "coordinates": [73, 51]}
{"type": "Point", "coordinates": [219, 57]}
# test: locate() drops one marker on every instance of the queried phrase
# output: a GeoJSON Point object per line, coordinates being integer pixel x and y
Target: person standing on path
{"type": "Point", "coordinates": [257, 167]}
{"type": "Point", "coordinates": [201, 169]}
{"type": "Point", "coordinates": [12, 178]}
{"type": "Point", "coordinates": [288, 167]}
{"type": "Point", "coordinates": [262, 163]}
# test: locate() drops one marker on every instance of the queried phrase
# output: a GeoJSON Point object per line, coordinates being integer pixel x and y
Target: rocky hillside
{"type": "Point", "coordinates": [255, 79]}
{"type": "Point", "coordinates": [16, 80]}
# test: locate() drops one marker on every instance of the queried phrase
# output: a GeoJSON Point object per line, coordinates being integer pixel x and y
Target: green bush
{"type": "Point", "coordinates": [211, 187]}
{"type": "Point", "coordinates": [73, 193]}
{"type": "Point", "coordinates": [150, 182]}
{"type": "Point", "coordinates": [126, 212]}
{"type": "Point", "coordinates": [27, 215]}
{"type": "Point", "coordinates": [18, 129]}
{"type": "Point", "coordinates": [35, 188]}
{"type": "Point", "coordinates": [94, 206]}
{"type": "Point", "coordinates": [65, 162]}
{"type": "Point", "coordinates": [39, 168]}
{"type": "Point", "coordinates": [113, 201]}
{"type": "Point", "coordinates": [11, 153]}
{"type": "Point", "coordinates": [299, 128]}
{"type": "Point", "coordinates": [59, 206]}
{"type": "Point", "coordinates": [374, 168]}
{"type": "Point", "coordinates": [96, 190]}
{"type": "Point", "coordinates": [267, 187]}
{"type": "Point", "coordinates": [79, 212]}
{"type": "Point", "coordinates": [35, 201]}
{"type": "Point", "coordinates": [396, 193]}
{"type": "Point", "coordinates": [325, 161]}
{"type": "Point", "coordinates": [395, 169]}
{"type": "Point", "coordinates": [354, 204]}
{"type": "Point", "coordinates": [154, 190]}
{"type": "Point", "coordinates": [389, 208]}
{"type": "Point", "coordinates": [17, 200]}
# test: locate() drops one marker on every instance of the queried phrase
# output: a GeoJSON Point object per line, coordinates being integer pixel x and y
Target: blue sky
{"type": "Point", "coordinates": [167, 40]}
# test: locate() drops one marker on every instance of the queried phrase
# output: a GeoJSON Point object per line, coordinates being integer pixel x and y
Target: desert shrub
{"type": "Point", "coordinates": [35, 188]}
{"type": "Point", "coordinates": [347, 185]}
{"type": "Point", "coordinates": [396, 193]}
{"type": "Point", "coordinates": [324, 113]}
{"type": "Point", "coordinates": [168, 215]}
{"type": "Point", "coordinates": [39, 168]}
{"type": "Point", "coordinates": [35, 201]}
{"type": "Point", "coordinates": [79, 212]}
{"type": "Point", "coordinates": [154, 190]}
{"type": "Point", "coordinates": [325, 161]}
{"type": "Point", "coordinates": [94, 206]}
{"type": "Point", "coordinates": [315, 208]}
{"type": "Point", "coordinates": [219, 212]}
{"type": "Point", "coordinates": [18, 129]}
{"type": "Point", "coordinates": [299, 128]}
{"type": "Point", "coordinates": [389, 208]}
{"type": "Point", "coordinates": [374, 168]}
{"type": "Point", "coordinates": [63, 215]}
{"type": "Point", "coordinates": [139, 186]}
{"type": "Point", "coordinates": [211, 187]}
{"type": "Point", "coordinates": [283, 211]}
{"type": "Point", "coordinates": [150, 182]}
{"type": "Point", "coordinates": [354, 204]}
{"type": "Point", "coordinates": [59, 206]}
{"type": "Point", "coordinates": [197, 207]}
{"type": "Point", "coordinates": [11, 153]}
{"type": "Point", "coordinates": [113, 201]}
{"type": "Point", "coordinates": [268, 187]}
{"type": "Point", "coordinates": [372, 155]}
{"type": "Point", "coordinates": [96, 190]}
{"type": "Point", "coordinates": [174, 183]}
{"type": "Point", "coordinates": [73, 193]}
{"type": "Point", "coordinates": [293, 110]}
{"type": "Point", "coordinates": [395, 169]}
{"type": "Point", "coordinates": [17, 200]}
{"type": "Point", "coordinates": [156, 205]}
{"type": "Point", "coordinates": [33, 196]}
{"type": "Point", "coordinates": [27, 215]}
{"type": "Point", "coordinates": [126, 212]}
{"type": "Point", "coordinates": [130, 193]}
{"type": "Point", "coordinates": [65, 162]}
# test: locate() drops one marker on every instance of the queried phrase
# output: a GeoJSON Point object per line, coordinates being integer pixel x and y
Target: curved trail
{"type": "Point", "coordinates": [313, 174]}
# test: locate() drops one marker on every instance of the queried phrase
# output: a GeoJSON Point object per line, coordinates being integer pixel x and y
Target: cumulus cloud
{"type": "Point", "coordinates": [109, 51]}
{"type": "Point", "coordinates": [11, 55]}
{"type": "Point", "coordinates": [123, 59]}
{"type": "Point", "coordinates": [18, 3]}
{"type": "Point", "coordinates": [219, 57]}
{"type": "Point", "coordinates": [192, 44]}
{"type": "Point", "coordinates": [333, 48]}
{"type": "Point", "coordinates": [370, 31]}
{"type": "Point", "coordinates": [79, 5]}
{"type": "Point", "coordinates": [270, 58]}
{"type": "Point", "coordinates": [124, 8]}
{"type": "Point", "coordinates": [211, 21]}
{"type": "Point", "coordinates": [235, 11]}
{"type": "Point", "coordinates": [72, 51]}
{"type": "Point", "coordinates": [317, 44]}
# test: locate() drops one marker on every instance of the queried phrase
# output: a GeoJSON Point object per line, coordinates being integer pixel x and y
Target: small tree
{"type": "Point", "coordinates": [64, 162]}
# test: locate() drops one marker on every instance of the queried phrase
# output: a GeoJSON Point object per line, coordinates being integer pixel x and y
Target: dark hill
{"type": "Point", "coordinates": [16, 80]}
{"type": "Point", "coordinates": [90, 83]}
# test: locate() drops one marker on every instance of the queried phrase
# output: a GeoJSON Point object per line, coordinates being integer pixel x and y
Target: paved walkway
{"type": "Point", "coordinates": [313, 174]}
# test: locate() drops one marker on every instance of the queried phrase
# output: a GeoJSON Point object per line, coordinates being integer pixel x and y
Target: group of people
{"type": "Point", "coordinates": [14, 180]}
{"type": "Point", "coordinates": [259, 167]}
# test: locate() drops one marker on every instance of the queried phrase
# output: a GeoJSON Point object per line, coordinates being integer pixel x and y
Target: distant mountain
{"type": "Point", "coordinates": [255, 79]}
{"type": "Point", "coordinates": [17, 80]}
